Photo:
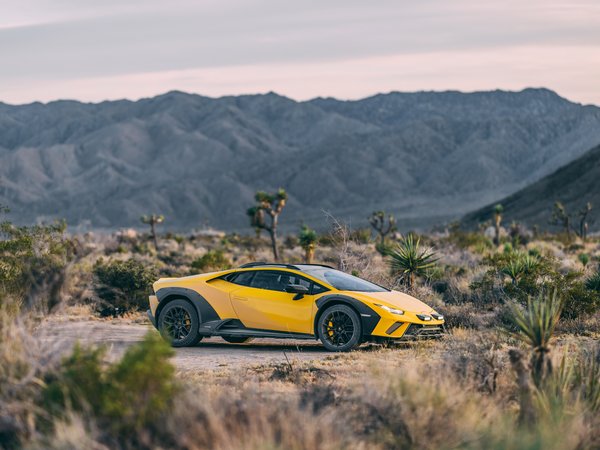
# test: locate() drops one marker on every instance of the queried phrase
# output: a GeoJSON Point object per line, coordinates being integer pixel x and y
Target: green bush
{"type": "Point", "coordinates": [465, 240]}
{"type": "Point", "coordinates": [33, 263]}
{"type": "Point", "coordinates": [123, 398]}
{"type": "Point", "coordinates": [211, 260]}
{"type": "Point", "coordinates": [124, 284]}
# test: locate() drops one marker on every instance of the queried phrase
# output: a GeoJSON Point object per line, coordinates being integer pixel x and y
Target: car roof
{"type": "Point", "coordinates": [300, 267]}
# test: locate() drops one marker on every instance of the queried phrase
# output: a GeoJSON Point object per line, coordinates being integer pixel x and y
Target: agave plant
{"type": "Point", "coordinates": [535, 326]}
{"type": "Point", "coordinates": [408, 258]}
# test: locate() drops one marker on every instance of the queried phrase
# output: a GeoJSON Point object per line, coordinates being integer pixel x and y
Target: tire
{"type": "Point", "coordinates": [339, 328]}
{"type": "Point", "coordinates": [237, 339]}
{"type": "Point", "coordinates": [178, 323]}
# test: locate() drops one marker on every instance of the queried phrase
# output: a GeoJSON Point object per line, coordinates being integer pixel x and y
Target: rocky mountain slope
{"type": "Point", "coordinates": [427, 156]}
{"type": "Point", "coordinates": [574, 185]}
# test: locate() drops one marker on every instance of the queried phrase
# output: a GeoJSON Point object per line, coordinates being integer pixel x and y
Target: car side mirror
{"type": "Point", "coordinates": [297, 289]}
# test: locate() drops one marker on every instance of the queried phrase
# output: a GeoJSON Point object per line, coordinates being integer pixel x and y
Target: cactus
{"type": "Point", "coordinates": [153, 220]}
{"type": "Point", "coordinates": [378, 222]}
{"type": "Point", "coordinates": [268, 205]}
{"type": "Point", "coordinates": [307, 239]}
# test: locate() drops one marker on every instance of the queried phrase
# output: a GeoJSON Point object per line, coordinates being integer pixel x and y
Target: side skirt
{"type": "Point", "coordinates": [233, 327]}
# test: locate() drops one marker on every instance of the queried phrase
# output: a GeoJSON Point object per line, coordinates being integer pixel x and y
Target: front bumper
{"type": "Point", "coordinates": [151, 318]}
{"type": "Point", "coordinates": [392, 328]}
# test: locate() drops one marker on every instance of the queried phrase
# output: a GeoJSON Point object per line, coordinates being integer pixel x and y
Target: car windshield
{"type": "Point", "coordinates": [341, 280]}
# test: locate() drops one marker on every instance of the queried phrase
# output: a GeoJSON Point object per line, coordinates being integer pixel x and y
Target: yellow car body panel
{"type": "Point", "coordinates": [260, 309]}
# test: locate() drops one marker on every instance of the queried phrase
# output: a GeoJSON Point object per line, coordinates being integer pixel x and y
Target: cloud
{"type": "Point", "coordinates": [76, 43]}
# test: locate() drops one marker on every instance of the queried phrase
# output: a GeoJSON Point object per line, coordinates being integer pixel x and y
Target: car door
{"type": "Point", "coordinates": [265, 305]}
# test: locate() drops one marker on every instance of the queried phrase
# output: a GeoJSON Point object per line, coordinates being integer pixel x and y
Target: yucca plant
{"type": "Point", "coordinates": [269, 205]}
{"type": "Point", "coordinates": [410, 259]}
{"type": "Point", "coordinates": [153, 220]}
{"type": "Point", "coordinates": [307, 238]}
{"type": "Point", "coordinates": [587, 377]}
{"type": "Point", "coordinates": [535, 326]}
{"type": "Point", "coordinates": [498, 210]}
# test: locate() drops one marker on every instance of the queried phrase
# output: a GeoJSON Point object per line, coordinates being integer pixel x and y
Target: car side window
{"type": "Point", "coordinates": [241, 278]}
{"type": "Point", "coordinates": [318, 289]}
{"type": "Point", "coordinates": [271, 280]}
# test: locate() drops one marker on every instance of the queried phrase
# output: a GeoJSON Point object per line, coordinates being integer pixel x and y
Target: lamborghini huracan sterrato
{"type": "Point", "coordinates": [304, 301]}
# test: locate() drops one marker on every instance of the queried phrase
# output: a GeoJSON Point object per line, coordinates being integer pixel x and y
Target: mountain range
{"type": "Point", "coordinates": [427, 157]}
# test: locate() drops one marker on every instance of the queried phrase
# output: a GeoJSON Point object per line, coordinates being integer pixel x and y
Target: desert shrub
{"type": "Point", "coordinates": [579, 301]}
{"type": "Point", "coordinates": [469, 240]}
{"type": "Point", "coordinates": [211, 260]}
{"type": "Point", "coordinates": [513, 275]}
{"type": "Point", "coordinates": [477, 361]}
{"type": "Point", "coordinates": [361, 235]}
{"type": "Point", "coordinates": [123, 398]}
{"type": "Point", "coordinates": [460, 316]}
{"type": "Point", "coordinates": [124, 284]}
{"type": "Point", "coordinates": [593, 282]}
{"type": "Point", "coordinates": [33, 263]}
{"type": "Point", "coordinates": [291, 241]}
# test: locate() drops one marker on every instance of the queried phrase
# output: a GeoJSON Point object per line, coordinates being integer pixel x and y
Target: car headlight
{"type": "Point", "coordinates": [391, 310]}
{"type": "Point", "coordinates": [437, 316]}
{"type": "Point", "coordinates": [424, 317]}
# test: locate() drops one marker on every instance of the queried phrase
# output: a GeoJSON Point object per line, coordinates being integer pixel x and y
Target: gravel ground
{"type": "Point", "coordinates": [61, 333]}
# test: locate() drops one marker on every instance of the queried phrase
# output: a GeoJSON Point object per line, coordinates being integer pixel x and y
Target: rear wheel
{"type": "Point", "coordinates": [178, 323]}
{"type": "Point", "coordinates": [237, 339]}
{"type": "Point", "coordinates": [339, 328]}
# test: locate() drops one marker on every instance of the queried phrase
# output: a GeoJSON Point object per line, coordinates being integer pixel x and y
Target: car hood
{"type": "Point", "coordinates": [393, 299]}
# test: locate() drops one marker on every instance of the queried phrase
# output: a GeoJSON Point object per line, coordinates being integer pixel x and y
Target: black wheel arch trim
{"type": "Point", "coordinates": [204, 309]}
{"type": "Point", "coordinates": [368, 317]}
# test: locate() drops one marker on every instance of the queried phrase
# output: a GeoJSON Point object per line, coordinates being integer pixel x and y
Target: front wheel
{"type": "Point", "coordinates": [178, 323]}
{"type": "Point", "coordinates": [339, 328]}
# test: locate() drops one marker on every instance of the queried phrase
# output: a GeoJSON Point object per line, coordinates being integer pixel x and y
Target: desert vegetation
{"type": "Point", "coordinates": [519, 367]}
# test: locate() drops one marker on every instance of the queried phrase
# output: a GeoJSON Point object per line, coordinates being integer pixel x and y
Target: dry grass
{"type": "Point", "coordinates": [458, 393]}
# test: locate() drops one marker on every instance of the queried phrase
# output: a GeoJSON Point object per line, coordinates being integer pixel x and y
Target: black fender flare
{"type": "Point", "coordinates": [368, 317]}
{"type": "Point", "coordinates": [204, 309]}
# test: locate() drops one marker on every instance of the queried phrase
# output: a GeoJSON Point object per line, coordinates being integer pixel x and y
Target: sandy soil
{"type": "Point", "coordinates": [213, 353]}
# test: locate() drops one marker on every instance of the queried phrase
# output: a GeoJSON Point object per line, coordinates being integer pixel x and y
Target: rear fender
{"type": "Point", "coordinates": [205, 311]}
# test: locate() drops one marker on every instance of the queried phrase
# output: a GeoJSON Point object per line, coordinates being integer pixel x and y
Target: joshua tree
{"type": "Point", "coordinates": [307, 238]}
{"type": "Point", "coordinates": [378, 222]}
{"type": "Point", "coordinates": [498, 210]}
{"type": "Point", "coordinates": [536, 327]}
{"type": "Point", "coordinates": [583, 220]}
{"type": "Point", "coordinates": [153, 220]}
{"type": "Point", "coordinates": [409, 258]}
{"type": "Point", "coordinates": [268, 205]}
{"type": "Point", "coordinates": [562, 218]}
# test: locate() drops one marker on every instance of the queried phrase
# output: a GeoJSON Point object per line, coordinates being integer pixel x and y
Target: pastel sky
{"type": "Point", "coordinates": [94, 50]}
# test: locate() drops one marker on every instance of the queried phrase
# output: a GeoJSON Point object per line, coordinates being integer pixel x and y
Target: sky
{"type": "Point", "coordinates": [93, 50]}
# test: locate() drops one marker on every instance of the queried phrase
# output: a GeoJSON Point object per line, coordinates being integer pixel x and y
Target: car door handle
{"type": "Point", "coordinates": [241, 299]}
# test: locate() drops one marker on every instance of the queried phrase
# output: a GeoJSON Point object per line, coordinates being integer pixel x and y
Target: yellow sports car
{"type": "Point", "coordinates": [304, 301]}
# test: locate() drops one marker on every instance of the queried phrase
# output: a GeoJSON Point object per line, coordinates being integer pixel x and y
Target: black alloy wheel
{"type": "Point", "coordinates": [339, 328]}
{"type": "Point", "coordinates": [178, 323]}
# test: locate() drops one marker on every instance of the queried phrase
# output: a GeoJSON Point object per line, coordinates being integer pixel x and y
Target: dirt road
{"type": "Point", "coordinates": [211, 353]}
